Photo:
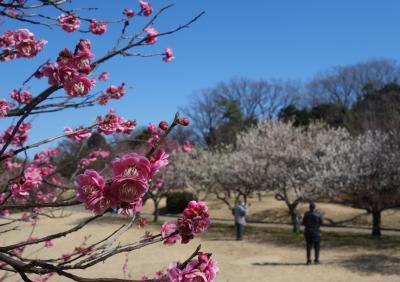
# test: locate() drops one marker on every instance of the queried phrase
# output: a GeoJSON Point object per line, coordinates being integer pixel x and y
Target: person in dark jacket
{"type": "Point", "coordinates": [312, 221]}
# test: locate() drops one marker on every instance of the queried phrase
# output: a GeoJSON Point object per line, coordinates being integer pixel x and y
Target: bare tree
{"type": "Point", "coordinates": [344, 85]}
{"type": "Point", "coordinates": [256, 99]}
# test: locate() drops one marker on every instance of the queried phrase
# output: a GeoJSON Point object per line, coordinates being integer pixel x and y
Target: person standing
{"type": "Point", "coordinates": [312, 222]}
{"type": "Point", "coordinates": [240, 212]}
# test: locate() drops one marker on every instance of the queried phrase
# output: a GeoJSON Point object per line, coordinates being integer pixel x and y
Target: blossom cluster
{"type": "Point", "coordinates": [202, 269]}
{"type": "Point", "coordinates": [109, 124]}
{"type": "Point", "coordinates": [112, 123]}
{"type": "Point", "coordinates": [71, 22]}
{"type": "Point", "coordinates": [112, 92]}
{"type": "Point", "coordinates": [23, 97]}
{"type": "Point", "coordinates": [71, 70]}
{"type": "Point", "coordinates": [130, 181]}
{"type": "Point", "coordinates": [194, 221]}
{"type": "Point", "coordinates": [93, 156]}
{"type": "Point", "coordinates": [20, 137]}
{"type": "Point", "coordinates": [32, 177]}
{"type": "Point", "coordinates": [4, 107]}
{"type": "Point", "coordinates": [20, 43]}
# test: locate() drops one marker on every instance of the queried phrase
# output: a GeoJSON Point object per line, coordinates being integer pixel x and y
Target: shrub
{"type": "Point", "coordinates": [177, 201]}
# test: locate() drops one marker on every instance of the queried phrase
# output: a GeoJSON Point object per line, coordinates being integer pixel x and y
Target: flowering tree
{"type": "Point", "coordinates": [37, 184]}
{"type": "Point", "coordinates": [363, 172]}
{"type": "Point", "coordinates": [273, 156]}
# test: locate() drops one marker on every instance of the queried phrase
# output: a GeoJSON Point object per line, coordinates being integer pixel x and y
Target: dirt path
{"type": "Point", "coordinates": [238, 261]}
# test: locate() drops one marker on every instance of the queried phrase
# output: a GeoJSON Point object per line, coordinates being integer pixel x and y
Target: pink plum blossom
{"type": "Point", "coordinates": [9, 164]}
{"type": "Point", "coordinates": [23, 97]}
{"type": "Point", "coordinates": [187, 147]}
{"type": "Point", "coordinates": [112, 123]}
{"type": "Point", "coordinates": [202, 269]}
{"type": "Point", "coordinates": [69, 23]}
{"type": "Point", "coordinates": [97, 28]}
{"type": "Point", "coordinates": [129, 209]}
{"type": "Point", "coordinates": [153, 129]}
{"type": "Point", "coordinates": [131, 176]}
{"type": "Point", "coordinates": [88, 184]}
{"type": "Point", "coordinates": [195, 220]}
{"type": "Point", "coordinates": [4, 107]}
{"type": "Point", "coordinates": [85, 45]}
{"type": "Point", "coordinates": [79, 86]}
{"type": "Point", "coordinates": [128, 13]}
{"type": "Point", "coordinates": [49, 243]}
{"type": "Point", "coordinates": [168, 55]}
{"type": "Point", "coordinates": [19, 138]}
{"type": "Point", "coordinates": [158, 160]}
{"type": "Point", "coordinates": [93, 191]}
{"type": "Point", "coordinates": [147, 10]}
{"type": "Point", "coordinates": [103, 76]}
{"type": "Point", "coordinates": [167, 229]}
{"type": "Point", "coordinates": [152, 34]}
{"type": "Point", "coordinates": [80, 134]}
{"type": "Point", "coordinates": [20, 43]}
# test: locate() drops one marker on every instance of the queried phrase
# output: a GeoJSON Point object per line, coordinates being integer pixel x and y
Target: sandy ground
{"type": "Point", "coordinates": [238, 261]}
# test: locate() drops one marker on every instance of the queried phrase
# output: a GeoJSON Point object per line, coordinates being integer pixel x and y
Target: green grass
{"type": "Point", "coordinates": [287, 237]}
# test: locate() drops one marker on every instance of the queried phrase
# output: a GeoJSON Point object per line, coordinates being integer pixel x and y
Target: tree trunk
{"type": "Point", "coordinates": [294, 218]}
{"type": "Point", "coordinates": [156, 211]}
{"type": "Point", "coordinates": [376, 223]}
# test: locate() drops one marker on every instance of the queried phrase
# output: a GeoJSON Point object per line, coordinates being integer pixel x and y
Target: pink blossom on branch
{"type": "Point", "coordinates": [4, 107]}
{"type": "Point", "coordinates": [153, 129]}
{"type": "Point", "coordinates": [80, 134]}
{"type": "Point", "coordinates": [19, 138]}
{"type": "Point", "coordinates": [163, 125]}
{"type": "Point", "coordinates": [85, 45]}
{"type": "Point", "coordinates": [195, 220]}
{"type": "Point", "coordinates": [112, 123]}
{"type": "Point", "coordinates": [103, 76]}
{"type": "Point", "coordinates": [49, 244]}
{"type": "Point", "coordinates": [202, 269]}
{"type": "Point", "coordinates": [147, 10]}
{"type": "Point", "coordinates": [168, 55]}
{"type": "Point", "coordinates": [79, 86]}
{"type": "Point", "coordinates": [131, 176]}
{"type": "Point", "coordinates": [158, 161]}
{"type": "Point", "coordinates": [20, 43]}
{"type": "Point", "coordinates": [152, 34]}
{"type": "Point", "coordinates": [23, 97]}
{"type": "Point", "coordinates": [88, 184]}
{"type": "Point", "coordinates": [184, 121]}
{"type": "Point", "coordinates": [128, 13]}
{"type": "Point", "coordinates": [69, 23]}
{"type": "Point", "coordinates": [97, 28]}
{"type": "Point", "coordinates": [10, 164]}
{"type": "Point", "coordinates": [112, 92]}
{"type": "Point", "coordinates": [167, 229]}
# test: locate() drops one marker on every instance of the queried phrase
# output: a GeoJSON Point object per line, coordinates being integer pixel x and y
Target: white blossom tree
{"type": "Point", "coordinates": [364, 172]}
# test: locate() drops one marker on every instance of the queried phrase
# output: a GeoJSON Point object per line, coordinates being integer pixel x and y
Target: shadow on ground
{"type": "Point", "coordinates": [373, 264]}
{"type": "Point", "coordinates": [278, 264]}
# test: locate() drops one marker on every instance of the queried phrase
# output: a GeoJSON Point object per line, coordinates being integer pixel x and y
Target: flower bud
{"type": "Point", "coordinates": [163, 125]}
{"type": "Point", "coordinates": [185, 121]}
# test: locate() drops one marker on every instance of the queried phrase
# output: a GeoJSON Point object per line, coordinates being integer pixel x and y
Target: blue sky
{"type": "Point", "coordinates": [290, 39]}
